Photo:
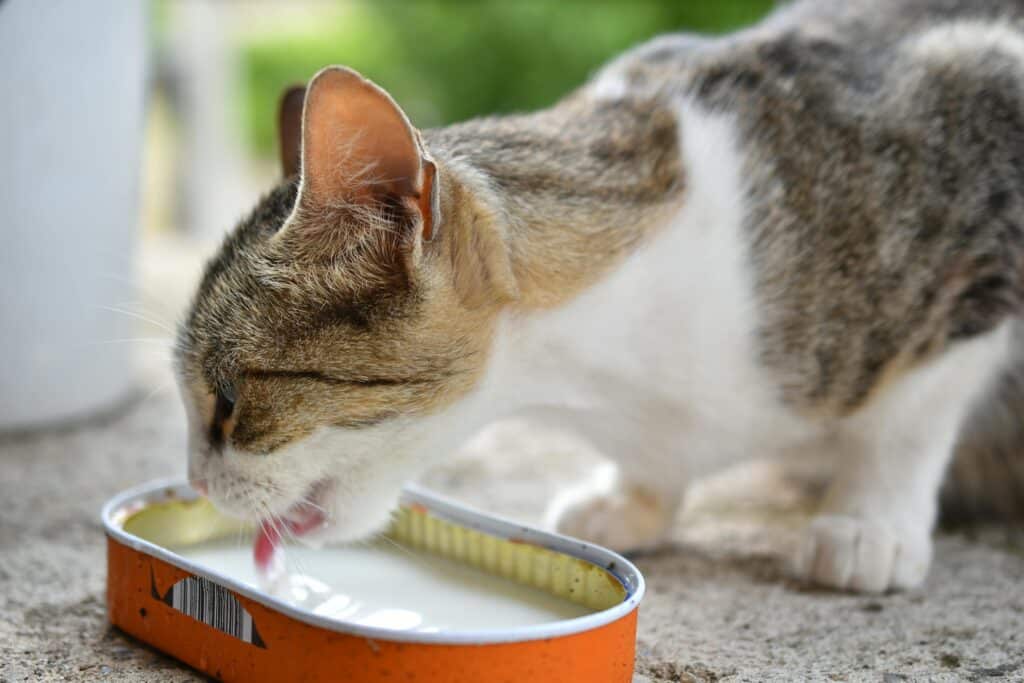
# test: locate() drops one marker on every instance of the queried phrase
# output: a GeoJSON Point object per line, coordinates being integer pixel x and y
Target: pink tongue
{"type": "Point", "coordinates": [265, 545]}
{"type": "Point", "coordinates": [268, 538]}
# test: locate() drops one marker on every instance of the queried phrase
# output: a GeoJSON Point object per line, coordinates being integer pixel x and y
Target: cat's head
{"type": "Point", "coordinates": [336, 335]}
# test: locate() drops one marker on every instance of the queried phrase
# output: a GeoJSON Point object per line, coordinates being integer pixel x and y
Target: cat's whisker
{"type": "Point", "coordinates": [139, 306]}
{"type": "Point", "coordinates": [305, 502]}
{"type": "Point", "coordinates": [165, 341]}
{"type": "Point", "coordinates": [382, 536]}
{"type": "Point", "coordinates": [155, 294]}
{"type": "Point", "coordinates": [163, 386]}
{"type": "Point", "coordinates": [293, 557]}
{"type": "Point", "coordinates": [139, 316]}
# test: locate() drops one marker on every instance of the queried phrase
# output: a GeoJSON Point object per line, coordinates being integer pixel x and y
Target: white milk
{"type": "Point", "coordinates": [390, 587]}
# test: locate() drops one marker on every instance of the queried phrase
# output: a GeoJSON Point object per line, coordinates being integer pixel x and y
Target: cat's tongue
{"type": "Point", "coordinates": [267, 544]}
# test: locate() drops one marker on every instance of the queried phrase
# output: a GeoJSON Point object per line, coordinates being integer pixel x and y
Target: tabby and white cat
{"type": "Point", "coordinates": [805, 236]}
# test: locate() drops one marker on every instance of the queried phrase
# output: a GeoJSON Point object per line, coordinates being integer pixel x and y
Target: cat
{"type": "Point", "coordinates": [804, 237]}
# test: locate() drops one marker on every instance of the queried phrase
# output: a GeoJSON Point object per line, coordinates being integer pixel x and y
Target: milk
{"type": "Point", "coordinates": [389, 587]}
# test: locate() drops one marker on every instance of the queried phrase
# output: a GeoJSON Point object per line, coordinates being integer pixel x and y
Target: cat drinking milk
{"type": "Point", "coordinates": [805, 237]}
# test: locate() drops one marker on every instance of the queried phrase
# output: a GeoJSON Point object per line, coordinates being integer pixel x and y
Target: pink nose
{"type": "Point", "coordinates": [199, 485]}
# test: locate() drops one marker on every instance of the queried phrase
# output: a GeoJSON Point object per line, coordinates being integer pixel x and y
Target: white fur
{"type": "Point", "coordinates": [955, 40]}
{"type": "Point", "coordinates": [609, 87]}
{"type": "Point", "coordinates": [612, 81]}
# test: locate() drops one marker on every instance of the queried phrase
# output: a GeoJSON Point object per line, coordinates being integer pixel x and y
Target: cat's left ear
{"type": "Point", "coordinates": [289, 129]}
{"type": "Point", "coordinates": [358, 147]}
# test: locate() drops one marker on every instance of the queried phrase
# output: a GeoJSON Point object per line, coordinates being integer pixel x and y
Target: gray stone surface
{"type": "Point", "coordinates": [718, 607]}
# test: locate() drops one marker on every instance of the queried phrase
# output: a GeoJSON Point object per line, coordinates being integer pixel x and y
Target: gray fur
{"type": "Point", "coordinates": [887, 189]}
{"type": "Point", "coordinates": [886, 186]}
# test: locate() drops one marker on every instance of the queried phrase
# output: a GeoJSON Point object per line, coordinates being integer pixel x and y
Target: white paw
{"type": "Point", "coordinates": [623, 520]}
{"type": "Point", "coordinates": [870, 556]}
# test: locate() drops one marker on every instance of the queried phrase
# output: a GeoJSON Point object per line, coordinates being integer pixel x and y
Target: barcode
{"type": "Point", "coordinates": [215, 606]}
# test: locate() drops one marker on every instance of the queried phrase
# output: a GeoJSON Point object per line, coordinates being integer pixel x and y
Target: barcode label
{"type": "Point", "coordinates": [215, 606]}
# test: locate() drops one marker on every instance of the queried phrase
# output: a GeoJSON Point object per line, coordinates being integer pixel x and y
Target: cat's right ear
{"type": "Point", "coordinates": [360, 149]}
{"type": "Point", "coordinates": [289, 129]}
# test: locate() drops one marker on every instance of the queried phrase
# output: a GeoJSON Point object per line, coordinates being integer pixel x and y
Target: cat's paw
{"type": "Point", "coordinates": [870, 556]}
{"type": "Point", "coordinates": [624, 520]}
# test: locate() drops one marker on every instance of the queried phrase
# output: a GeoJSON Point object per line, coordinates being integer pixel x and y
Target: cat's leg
{"type": "Point", "coordinates": [616, 510]}
{"type": "Point", "coordinates": [629, 503]}
{"type": "Point", "coordinates": [873, 532]}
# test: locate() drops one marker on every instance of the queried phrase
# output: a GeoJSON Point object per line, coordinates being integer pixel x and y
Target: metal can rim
{"type": "Point", "coordinates": [621, 568]}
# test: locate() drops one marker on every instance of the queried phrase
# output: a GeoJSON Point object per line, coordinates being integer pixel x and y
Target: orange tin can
{"type": "Point", "coordinates": [234, 630]}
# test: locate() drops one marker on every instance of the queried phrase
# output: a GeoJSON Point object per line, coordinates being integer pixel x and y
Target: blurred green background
{"type": "Point", "coordinates": [220, 67]}
{"type": "Point", "coordinates": [448, 60]}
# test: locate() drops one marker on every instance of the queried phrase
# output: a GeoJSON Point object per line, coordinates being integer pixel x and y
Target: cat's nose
{"type": "Point", "coordinates": [195, 478]}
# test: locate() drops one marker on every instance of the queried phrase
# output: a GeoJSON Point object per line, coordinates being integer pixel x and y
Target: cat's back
{"type": "Point", "coordinates": [883, 165]}
{"type": "Point", "coordinates": [834, 49]}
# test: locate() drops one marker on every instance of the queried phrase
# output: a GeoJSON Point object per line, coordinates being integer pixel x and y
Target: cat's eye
{"type": "Point", "coordinates": [223, 409]}
{"type": "Point", "coordinates": [226, 398]}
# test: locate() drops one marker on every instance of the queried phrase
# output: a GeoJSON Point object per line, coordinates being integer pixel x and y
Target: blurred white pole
{"type": "Point", "coordinates": [72, 78]}
{"type": "Point", "coordinates": [213, 174]}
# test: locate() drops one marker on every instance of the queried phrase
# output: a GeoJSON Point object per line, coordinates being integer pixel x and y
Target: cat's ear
{"type": "Point", "coordinates": [358, 147]}
{"type": "Point", "coordinates": [289, 129]}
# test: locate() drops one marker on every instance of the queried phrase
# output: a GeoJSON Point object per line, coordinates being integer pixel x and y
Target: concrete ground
{"type": "Point", "coordinates": [719, 607]}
